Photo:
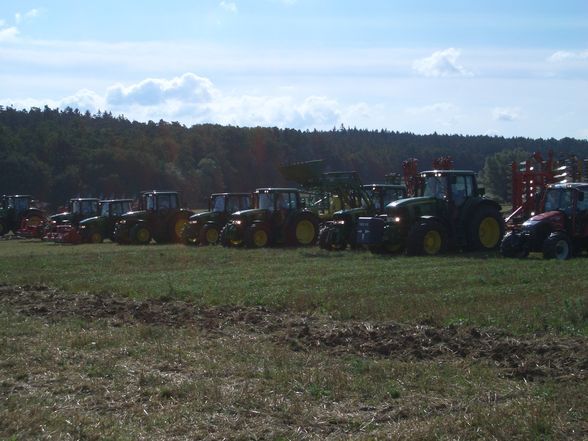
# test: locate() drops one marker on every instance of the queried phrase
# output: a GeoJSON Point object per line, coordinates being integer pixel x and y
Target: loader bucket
{"type": "Point", "coordinates": [306, 173]}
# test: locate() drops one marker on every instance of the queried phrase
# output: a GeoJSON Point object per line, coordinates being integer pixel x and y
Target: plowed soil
{"type": "Point", "coordinates": [530, 357]}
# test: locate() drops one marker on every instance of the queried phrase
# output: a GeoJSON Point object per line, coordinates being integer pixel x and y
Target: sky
{"type": "Point", "coordinates": [500, 67]}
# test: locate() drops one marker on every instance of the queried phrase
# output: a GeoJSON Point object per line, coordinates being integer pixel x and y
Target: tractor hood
{"type": "Point", "coordinates": [59, 217]}
{"type": "Point", "coordinates": [351, 212]}
{"type": "Point", "coordinates": [409, 202]}
{"type": "Point", "coordinates": [253, 214]}
{"type": "Point", "coordinates": [550, 217]}
{"type": "Point", "coordinates": [203, 217]}
{"type": "Point", "coordinates": [134, 215]}
{"type": "Point", "coordinates": [90, 220]}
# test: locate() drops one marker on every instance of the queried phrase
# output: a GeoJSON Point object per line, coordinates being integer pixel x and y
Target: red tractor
{"type": "Point", "coordinates": [559, 231]}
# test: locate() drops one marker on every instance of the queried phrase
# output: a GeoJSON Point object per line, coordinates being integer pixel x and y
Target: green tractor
{"type": "Point", "coordinates": [14, 209]}
{"type": "Point", "coordinates": [449, 211]}
{"type": "Point", "coordinates": [277, 217]}
{"type": "Point", "coordinates": [96, 229]}
{"type": "Point", "coordinates": [366, 200]}
{"type": "Point", "coordinates": [204, 228]}
{"type": "Point", "coordinates": [159, 217]}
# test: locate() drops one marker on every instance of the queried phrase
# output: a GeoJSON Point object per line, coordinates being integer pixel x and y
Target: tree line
{"type": "Point", "coordinates": [57, 154]}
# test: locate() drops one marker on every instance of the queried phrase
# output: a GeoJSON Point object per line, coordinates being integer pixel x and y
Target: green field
{"type": "Point", "coordinates": [174, 342]}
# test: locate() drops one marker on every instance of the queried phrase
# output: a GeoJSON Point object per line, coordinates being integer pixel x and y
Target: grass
{"type": "Point", "coordinates": [521, 296]}
{"type": "Point", "coordinates": [68, 378]}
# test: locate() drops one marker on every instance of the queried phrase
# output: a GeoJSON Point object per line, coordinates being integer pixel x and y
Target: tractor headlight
{"type": "Point", "coordinates": [82, 227]}
{"type": "Point", "coordinates": [238, 222]}
{"type": "Point", "coordinates": [394, 219]}
{"type": "Point", "coordinates": [339, 222]}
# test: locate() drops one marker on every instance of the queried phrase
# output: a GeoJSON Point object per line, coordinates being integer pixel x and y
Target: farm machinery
{"type": "Point", "coordinates": [95, 229]}
{"type": "Point", "coordinates": [204, 228]}
{"type": "Point", "coordinates": [18, 215]}
{"type": "Point", "coordinates": [277, 217]}
{"type": "Point", "coordinates": [159, 217]}
{"type": "Point", "coordinates": [559, 231]}
{"type": "Point", "coordinates": [448, 210]}
{"type": "Point", "coordinates": [60, 225]}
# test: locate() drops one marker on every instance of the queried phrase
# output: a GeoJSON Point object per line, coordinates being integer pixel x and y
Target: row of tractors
{"type": "Point", "coordinates": [416, 213]}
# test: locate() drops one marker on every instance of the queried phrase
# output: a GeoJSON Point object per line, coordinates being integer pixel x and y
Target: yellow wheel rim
{"type": "Point", "coordinates": [432, 242]}
{"type": "Point", "coordinates": [179, 227]}
{"type": "Point", "coordinates": [260, 238]}
{"type": "Point", "coordinates": [211, 235]}
{"type": "Point", "coordinates": [34, 221]}
{"type": "Point", "coordinates": [489, 232]}
{"type": "Point", "coordinates": [305, 232]}
{"type": "Point", "coordinates": [143, 235]}
{"type": "Point", "coordinates": [96, 237]}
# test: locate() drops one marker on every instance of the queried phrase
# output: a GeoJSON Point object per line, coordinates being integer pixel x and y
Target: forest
{"type": "Point", "coordinates": [56, 154]}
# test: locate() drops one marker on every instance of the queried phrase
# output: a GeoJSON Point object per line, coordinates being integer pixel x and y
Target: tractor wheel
{"type": "Point", "coordinates": [257, 236]}
{"type": "Point", "coordinates": [177, 228]}
{"type": "Point", "coordinates": [96, 237]}
{"type": "Point", "coordinates": [209, 234]}
{"type": "Point", "coordinates": [140, 235]}
{"type": "Point", "coordinates": [303, 231]}
{"type": "Point", "coordinates": [188, 235]}
{"type": "Point", "coordinates": [486, 229]}
{"type": "Point", "coordinates": [557, 246]}
{"type": "Point", "coordinates": [426, 238]}
{"type": "Point", "coordinates": [3, 229]}
{"type": "Point", "coordinates": [511, 246]}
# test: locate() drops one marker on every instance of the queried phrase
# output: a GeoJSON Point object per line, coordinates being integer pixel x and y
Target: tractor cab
{"type": "Point", "coordinates": [14, 209]}
{"type": "Point", "coordinates": [383, 194]}
{"type": "Point", "coordinates": [159, 201]}
{"type": "Point", "coordinates": [84, 207]}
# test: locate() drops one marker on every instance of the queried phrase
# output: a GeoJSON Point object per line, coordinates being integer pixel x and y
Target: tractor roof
{"type": "Point", "coordinates": [276, 190]}
{"type": "Point", "coordinates": [158, 192]}
{"type": "Point", "coordinates": [385, 186]}
{"type": "Point", "coordinates": [230, 194]}
{"type": "Point", "coordinates": [28, 196]}
{"type": "Point", "coordinates": [108, 201]}
{"type": "Point", "coordinates": [84, 199]}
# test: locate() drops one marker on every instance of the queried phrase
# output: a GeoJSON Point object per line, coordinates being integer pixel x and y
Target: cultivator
{"type": "Point", "coordinates": [530, 178]}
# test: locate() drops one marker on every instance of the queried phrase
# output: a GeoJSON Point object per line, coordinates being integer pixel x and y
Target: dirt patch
{"type": "Point", "coordinates": [528, 357]}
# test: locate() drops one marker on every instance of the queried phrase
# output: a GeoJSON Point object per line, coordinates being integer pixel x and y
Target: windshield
{"type": "Point", "coordinates": [76, 207]}
{"type": "Point", "coordinates": [435, 186]}
{"type": "Point", "coordinates": [218, 204]}
{"type": "Point", "coordinates": [266, 201]}
{"type": "Point", "coordinates": [558, 199]}
{"type": "Point", "coordinates": [237, 203]}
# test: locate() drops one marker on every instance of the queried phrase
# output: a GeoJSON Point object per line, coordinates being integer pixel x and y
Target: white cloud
{"type": "Point", "coordinates": [18, 17]}
{"type": "Point", "coordinates": [560, 56]}
{"type": "Point", "coordinates": [507, 114]}
{"type": "Point", "coordinates": [8, 34]}
{"type": "Point", "coordinates": [441, 64]}
{"type": "Point", "coordinates": [83, 100]}
{"type": "Point", "coordinates": [229, 6]}
{"type": "Point", "coordinates": [152, 92]}
{"type": "Point", "coordinates": [437, 108]}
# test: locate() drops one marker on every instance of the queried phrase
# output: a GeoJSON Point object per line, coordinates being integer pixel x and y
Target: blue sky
{"type": "Point", "coordinates": [507, 68]}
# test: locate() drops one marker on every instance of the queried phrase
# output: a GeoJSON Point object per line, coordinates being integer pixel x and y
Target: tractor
{"type": "Point", "coordinates": [204, 228]}
{"type": "Point", "coordinates": [97, 228]}
{"type": "Point", "coordinates": [16, 210]}
{"type": "Point", "coordinates": [78, 209]}
{"type": "Point", "coordinates": [449, 211]}
{"type": "Point", "coordinates": [366, 200]}
{"type": "Point", "coordinates": [559, 231]}
{"type": "Point", "coordinates": [159, 217]}
{"type": "Point", "coordinates": [277, 217]}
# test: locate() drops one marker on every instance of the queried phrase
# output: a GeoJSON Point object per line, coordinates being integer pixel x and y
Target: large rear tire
{"type": "Point", "coordinates": [177, 228]}
{"type": "Point", "coordinates": [486, 229]}
{"type": "Point", "coordinates": [557, 246]}
{"type": "Point", "coordinates": [428, 237]}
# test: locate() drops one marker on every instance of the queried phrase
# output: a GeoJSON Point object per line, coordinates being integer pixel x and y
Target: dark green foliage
{"type": "Point", "coordinates": [56, 154]}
